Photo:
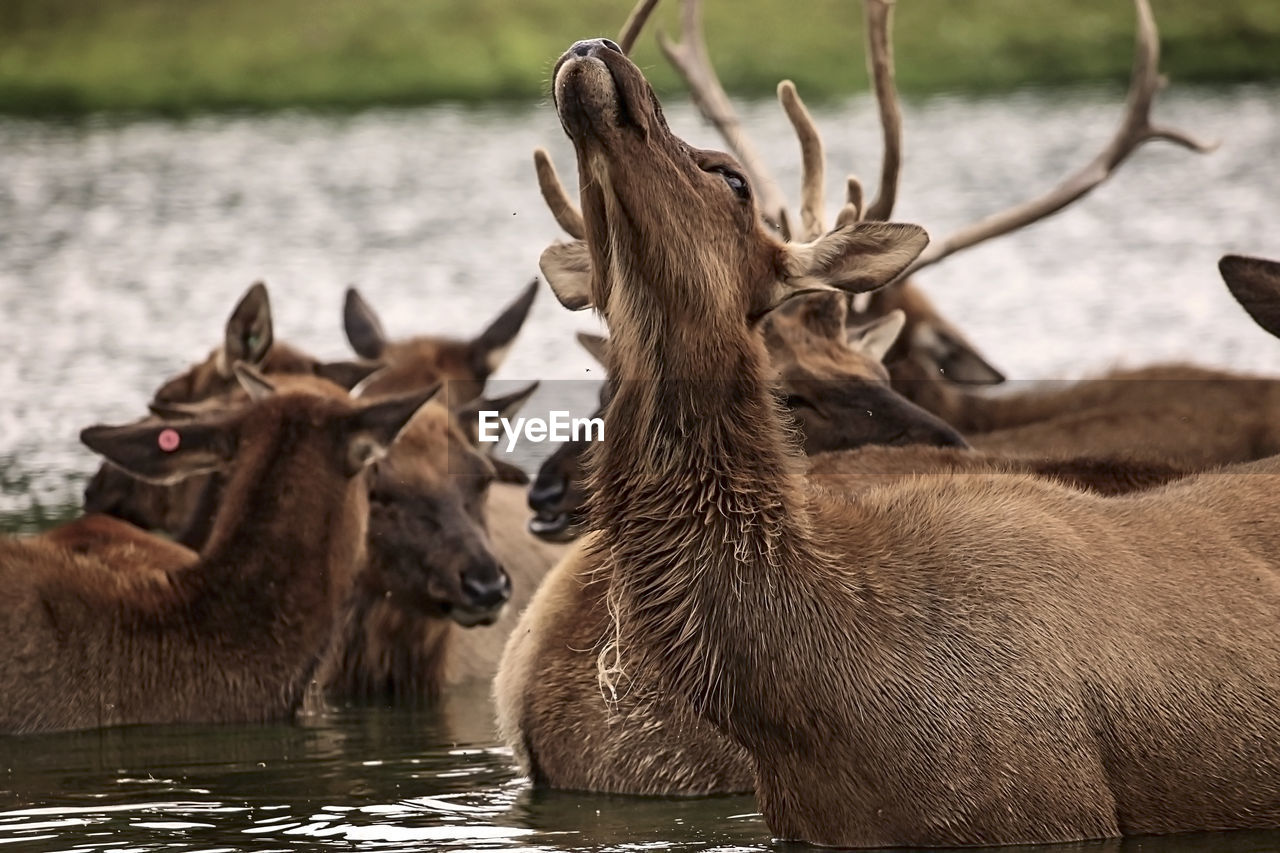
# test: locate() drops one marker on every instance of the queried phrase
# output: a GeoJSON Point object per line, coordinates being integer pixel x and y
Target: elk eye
{"type": "Point", "coordinates": [736, 182]}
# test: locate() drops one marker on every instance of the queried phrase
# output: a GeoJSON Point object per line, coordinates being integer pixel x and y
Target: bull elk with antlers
{"type": "Point", "coordinates": [871, 656]}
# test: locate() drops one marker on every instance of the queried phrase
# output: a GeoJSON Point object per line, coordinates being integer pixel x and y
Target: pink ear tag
{"type": "Point", "coordinates": [169, 440]}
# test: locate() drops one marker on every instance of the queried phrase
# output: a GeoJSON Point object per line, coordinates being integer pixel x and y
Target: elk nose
{"type": "Point", "coordinates": [546, 493]}
{"type": "Point", "coordinates": [486, 588]}
{"type": "Point", "coordinates": [587, 47]}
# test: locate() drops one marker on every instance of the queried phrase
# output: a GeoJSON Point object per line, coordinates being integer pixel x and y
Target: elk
{"type": "Point", "coordinates": [987, 660]}
{"type": "Point", "coordinates": [832, 382]}
{"type": "Point", "coordinates": [550, 710]}
{"type": "Point", "coordinates": [231, 634]}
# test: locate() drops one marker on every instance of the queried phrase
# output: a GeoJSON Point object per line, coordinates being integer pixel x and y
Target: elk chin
{"type": "Point", "coordinates": [600, 97]}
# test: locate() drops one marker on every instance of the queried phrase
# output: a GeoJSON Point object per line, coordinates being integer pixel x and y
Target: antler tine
{"type": "Point", "coordinates": [879, 24]}
{"type": "Point", "coordinates": [852, 210]}
{"type": "Point", "coordinates": [1135, 129]}
{"type": "Point", "coordinates": [557, 197]}
{"type": "Point", "coordinates": [689, 58]}
{"type": "Point", "coordinates": [635, 23]}
{"type": "Point", "coordinates": [813, 159]}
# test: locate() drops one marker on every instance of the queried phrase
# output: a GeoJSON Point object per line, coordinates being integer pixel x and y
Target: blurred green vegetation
{"type": "Point", "coordinates": [178, 56]}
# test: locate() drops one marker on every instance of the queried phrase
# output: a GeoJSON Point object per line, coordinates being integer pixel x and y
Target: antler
{"type": "Point", "coordinates": [812, 158]}
{"type": "Point", "coordinates": [1135, 129]}
{"type": "Point", "coordinates": [689, 58]}
{"type": "Point", "coordinates": [635, 23]}
{"type": "Point", "coordinates": [879, 25]}
{"type": "Point", "coordinates": [557, 197]}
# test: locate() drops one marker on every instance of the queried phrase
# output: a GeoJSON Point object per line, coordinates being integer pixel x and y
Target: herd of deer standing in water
{"type": "Point", "coordinates": [811, 559]}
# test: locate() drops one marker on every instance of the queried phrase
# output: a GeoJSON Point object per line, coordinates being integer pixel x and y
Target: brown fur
{"type": "Point", "coordinates": [983, 660]}
{"type": "Point", "coordinates": [566, 734]}
{"type": "Point", "coordinates": [427, 525]}
{"type": "Point", "coordinates": [231, 635]}
{"type": "Point", "coordinates": [1179, 413]}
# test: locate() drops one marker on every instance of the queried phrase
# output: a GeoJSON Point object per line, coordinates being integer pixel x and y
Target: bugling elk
{"type": "Point", "coordinates": [858, 652]}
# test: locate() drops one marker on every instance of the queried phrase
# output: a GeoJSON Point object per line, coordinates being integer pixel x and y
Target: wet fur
{"type": "Point", "coordinates": [233, 635]}
{"type": "Point", "coordinates": [977, 660]}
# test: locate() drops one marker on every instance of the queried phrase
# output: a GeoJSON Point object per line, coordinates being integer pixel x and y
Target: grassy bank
{"type": "Point", "coordinates": [76, 56]}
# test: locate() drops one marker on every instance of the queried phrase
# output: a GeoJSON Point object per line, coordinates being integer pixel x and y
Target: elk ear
{"type": "Point", "coordinates": [567, 268]}
{"type": "Point", "coordinates": [177, 411]}
{"type": "Point", "coordinates": [875, 338]}
{"type": "Point", "coordinates": [596, 345]}
{"type": "Point", "coordinates": [491, 347]}
{"type": "Point", "coordinates": [955, 357]}
{"type": "Point", "coordinates": [165, 453]}
{"type": "Point", "coordinates": [855, 258]}
{"type": "Point", "coordinates": [363, 328]}
{"type": "Point", "coordinates": [347, 374]}
{"type": "Point", "coordinates": [248, 333]}
{"type": "Point", "coordinates": [1255, 283]}
{"type": "Point", "coordinates": [468, 415]}
{"type": "Point", "coordinates": [257, 386]}
{"type": "Point", "coordinates": [374, 428]}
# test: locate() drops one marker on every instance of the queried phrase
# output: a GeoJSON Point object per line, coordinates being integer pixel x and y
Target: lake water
{"type": "Point", "coordinates": [123, 246]}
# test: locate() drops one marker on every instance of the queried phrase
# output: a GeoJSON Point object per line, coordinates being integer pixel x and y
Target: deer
{"type": "Point", "coordinates": [248, 337]}
{"type": "Point", "coordinates": [526, 559]}
{"type": "Point", "coordinates": [989, 660]}
{"type": "Point", "coordinates": [830, 377]}
{"type": "Point", "coordinates": [231, 634]}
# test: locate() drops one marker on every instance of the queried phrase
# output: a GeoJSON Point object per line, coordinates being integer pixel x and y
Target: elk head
{"type": "Point", "coordinates": [249, 338]}
{"type": "Point", "coordinates": [834, 383]}
{"type": "Point", "coordinates": [428, 542]}
{"type": "Point", "coordinates": [463, 365]}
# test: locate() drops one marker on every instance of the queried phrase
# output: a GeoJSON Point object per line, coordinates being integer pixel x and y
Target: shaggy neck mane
{"type": "Point", "coordinates": [697, 492]}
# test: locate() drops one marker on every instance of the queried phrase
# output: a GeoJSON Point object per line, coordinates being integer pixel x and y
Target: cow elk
{"type": "Point", "coordinates": [463, 365]}
{"type": "Point", "coordinates": [231, 634]}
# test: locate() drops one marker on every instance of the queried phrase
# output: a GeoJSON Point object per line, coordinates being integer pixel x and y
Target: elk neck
{"type": "Point", "coordinates": [697, 492]}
